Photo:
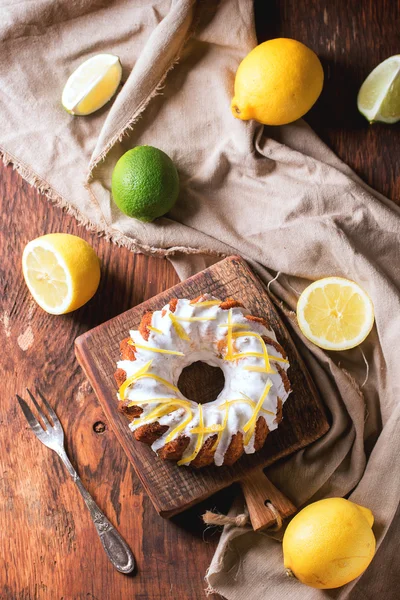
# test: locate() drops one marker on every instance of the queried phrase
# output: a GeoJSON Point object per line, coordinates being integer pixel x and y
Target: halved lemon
{"type": "Point", "coordinates": [379, 95]}
{"type": "Point", "coordinates": [335, 313]}
{"type": "Point", "coordinates": [92, 84]}
{"type": "Point", "coordinates": [62, 272]}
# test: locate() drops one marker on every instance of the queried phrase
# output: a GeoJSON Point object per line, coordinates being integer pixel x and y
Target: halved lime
{"type": "Point", "coordinates": [379, 95]}
{"type": "Point", "coordinates": [92, 84]}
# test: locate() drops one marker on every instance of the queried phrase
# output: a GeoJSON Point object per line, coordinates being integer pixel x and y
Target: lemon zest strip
{"type": "Point", "coordinates": [179, 427]}
{"type": "Point", "coordinates": [179, 329]}
{"type": "Point", "coordinates": [246, 400]}
{"type": "Point", "coordinates": [270, 412]}
{"type": "Point", "coordinates": [208, 303]}
{"type": "Point", "coordinates": [132, 378]}
{"type": "Point", "coordinates": [150, 349]}
{"type": "Point", "coordinates": [237, 325]}
{"type": "Point", "coordinates": [259, 370]}
{"type": "Point", "coordinates": [229, 352]}
{"type": "Point", "coordinates": [199, 441]}
{"type": "Point", "coordinates": [260, 355]}
{"type": "Point", "coordinates": [224, 423]}
{"type": "Point", "coordinates": [264, 347]}
{"type": "Point", "coordinates": [167, 404]}
{"type": "Point", "coordinates": [159, 411]}
{"type": "Point", "coordinates": [154, 329]}
{"type": "Point", "coordinates": [169, 399]}
{"type": "Point", "coordinates": [161, 380]}
{"type": "Point", "coordinates": [251, 423]}
{"type": "Point", "coordinates": [151, 376]}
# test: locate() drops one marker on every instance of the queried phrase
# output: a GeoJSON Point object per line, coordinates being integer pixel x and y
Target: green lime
{"type": "Point", "coordinates": [379, 95]}
{"type": "Point", "coordinates": [145, 183]}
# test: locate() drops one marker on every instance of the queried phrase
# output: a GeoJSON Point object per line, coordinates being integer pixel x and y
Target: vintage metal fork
{"type": "Point", "coordinates": [52, 436]}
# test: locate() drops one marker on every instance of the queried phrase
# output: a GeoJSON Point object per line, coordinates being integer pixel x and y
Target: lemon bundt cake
{"type": "Point", "coordinates": [221, 334]}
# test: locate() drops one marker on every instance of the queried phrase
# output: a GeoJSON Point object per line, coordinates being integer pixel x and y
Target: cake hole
{"type": "Point", "coordinates": [201, 382]}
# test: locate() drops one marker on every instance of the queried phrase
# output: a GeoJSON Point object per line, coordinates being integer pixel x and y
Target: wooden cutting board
{"type": "Point", "coordinates": [171, 488]}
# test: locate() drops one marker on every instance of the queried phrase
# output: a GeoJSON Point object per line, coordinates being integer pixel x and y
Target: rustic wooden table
{"type": "Point", "coordinates": [48, 547]}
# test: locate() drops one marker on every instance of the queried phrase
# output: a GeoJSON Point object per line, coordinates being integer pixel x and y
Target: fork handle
{"type": "Point", "coordinates": [117, 550]}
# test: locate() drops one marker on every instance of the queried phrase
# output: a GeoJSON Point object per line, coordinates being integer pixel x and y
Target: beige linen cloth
{"type": "Point", "coordinates": [277, 196]}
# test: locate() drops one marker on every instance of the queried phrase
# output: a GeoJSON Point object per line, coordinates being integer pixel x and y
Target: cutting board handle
{"type": "Point", "coordinates": [266, 504]}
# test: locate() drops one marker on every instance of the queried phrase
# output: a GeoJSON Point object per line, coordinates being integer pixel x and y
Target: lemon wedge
{"type": "Point", "coordinates": [92, 84]}
{"type": "Point", "coordinates": [335, 313]}
{"type": "Point", "coordinates": [61, 271]}
{"type": "Point", "coordinates": [379, 95]}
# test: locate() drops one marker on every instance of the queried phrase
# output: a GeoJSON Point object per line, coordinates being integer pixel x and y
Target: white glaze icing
{"type": "Point", "coordinates": [240, 383]}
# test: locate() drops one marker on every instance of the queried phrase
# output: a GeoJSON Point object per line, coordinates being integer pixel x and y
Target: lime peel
{"type": "Point", "coordinates": [145, 183]}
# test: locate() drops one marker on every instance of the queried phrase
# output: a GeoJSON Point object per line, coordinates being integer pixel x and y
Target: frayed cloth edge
{"type": "Point", "coordinates": [118, 137]}
{"type": "Point", "coordinates": [107, 232]}
{"type": "Point", "coordinates": [141, 108]}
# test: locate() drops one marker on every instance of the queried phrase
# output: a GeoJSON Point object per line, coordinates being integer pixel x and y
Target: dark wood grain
{"type": "Point", "coordinates": [48, 549]}
{"type": "Point", "coordinates": [173, 489]}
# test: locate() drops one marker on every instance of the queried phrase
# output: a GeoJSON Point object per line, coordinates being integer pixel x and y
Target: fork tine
{"type": "Point", "coordinates": [40, 411]}
{"type": "Point", "coordinates": [30, 417]}
{"type": "Point", "coordinates": [55, 419]}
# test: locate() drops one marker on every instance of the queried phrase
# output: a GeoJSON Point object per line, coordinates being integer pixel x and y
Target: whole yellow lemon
{"type": "Point", "coordinates": [277, 82]}
{"type": "Point", "coordinates": [329, 543]}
